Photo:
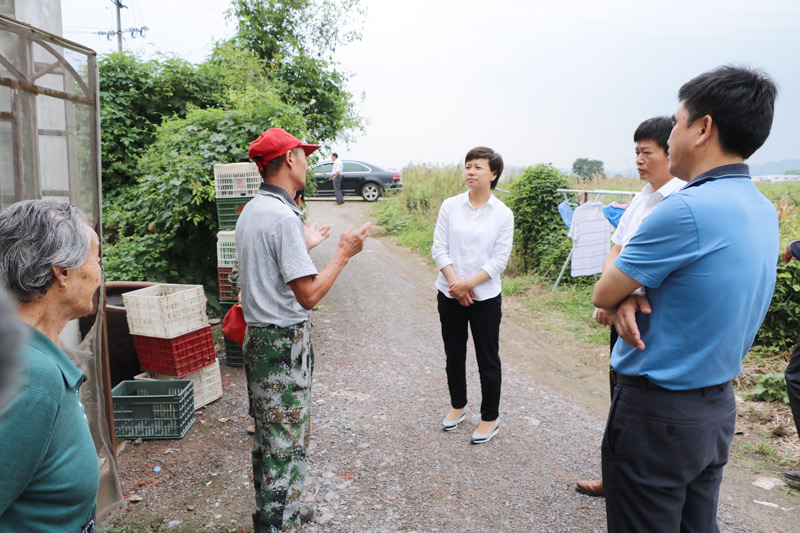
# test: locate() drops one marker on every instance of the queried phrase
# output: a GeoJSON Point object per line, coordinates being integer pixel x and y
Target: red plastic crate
{"type": "Point", "coordinates": [225, 289]}
{"type": "Point", "coordinates": [176, 357]}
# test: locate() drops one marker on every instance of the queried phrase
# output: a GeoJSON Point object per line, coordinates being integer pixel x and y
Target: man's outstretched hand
{"type": "Point", "coordinates": [352, 242]}
{"type": "Point", "coordinates": [315, 234]}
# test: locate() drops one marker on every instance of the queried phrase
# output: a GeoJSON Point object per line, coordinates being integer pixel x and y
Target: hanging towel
{"type": "Point", "coordinates": [565, 210]}
{"type": "Point", "coordinates": [591, 239]}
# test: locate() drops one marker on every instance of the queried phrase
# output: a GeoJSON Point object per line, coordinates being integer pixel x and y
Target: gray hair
{"type": "Point", "coordinates": [35, 236]}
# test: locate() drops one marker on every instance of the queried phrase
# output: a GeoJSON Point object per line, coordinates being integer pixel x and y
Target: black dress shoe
{"type": "Point", "coordinates": [792, 475]}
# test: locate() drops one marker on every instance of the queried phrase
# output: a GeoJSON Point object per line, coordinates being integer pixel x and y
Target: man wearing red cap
{"type": "Point", "coordinates": [279, 287]}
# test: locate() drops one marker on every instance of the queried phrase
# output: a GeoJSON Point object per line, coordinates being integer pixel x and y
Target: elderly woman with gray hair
{"type": "Point", "coordinates": [50, 263]}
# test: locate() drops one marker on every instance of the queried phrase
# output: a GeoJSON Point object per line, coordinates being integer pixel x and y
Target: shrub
{"type": "Point", "coordinates": [540, 240]}
{"type": "Point", "coordinates": [164, 227]}
{"type": "Point", "coordinates": [770, 387]}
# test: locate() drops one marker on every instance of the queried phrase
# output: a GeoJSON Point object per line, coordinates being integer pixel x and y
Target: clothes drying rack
{"type": "Point", "coordinates": [599, 195]}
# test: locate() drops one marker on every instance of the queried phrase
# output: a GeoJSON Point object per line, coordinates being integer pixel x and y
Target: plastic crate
{"type": "Point", "coordinates": [236, 179]}
{"type": "Point", "coordinates": [207, 383]}
{"type": "Point", "coordinates": [176, 357]}
{"type": "Point", "coordinates": [234, 355]}
{"type": "Point", "coordinates": [226, 248]}
{"type": "Point", "coordinates": [166, 310]}
{"type": "Point", "coordinates": [229, 209]}
{"type": "Point", "coordinates": [153, 409]}
{"type": "Point", "coordinates": [225, 289]}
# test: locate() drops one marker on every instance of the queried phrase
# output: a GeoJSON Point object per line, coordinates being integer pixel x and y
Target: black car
{"type": "Point", "coordinates": [358, 177]}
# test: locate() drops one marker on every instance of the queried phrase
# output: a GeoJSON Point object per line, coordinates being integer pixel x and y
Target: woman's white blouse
{"type": "Point", "coordinates": [472, 240]}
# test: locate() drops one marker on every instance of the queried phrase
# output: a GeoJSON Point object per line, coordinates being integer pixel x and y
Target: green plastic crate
{"type": "Point", "coordinates": [229, 209]}
{"type": "Point", "coordinates": [153, 409]}
{"type": "Point", "coordinates": [234, 356]}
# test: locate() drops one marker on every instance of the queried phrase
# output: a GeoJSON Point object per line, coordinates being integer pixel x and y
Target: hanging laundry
{"type": "Point", "coordinates": [591, 239]}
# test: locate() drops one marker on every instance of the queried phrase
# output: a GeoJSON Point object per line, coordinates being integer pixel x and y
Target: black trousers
{"type": "Point", "coordinates": [663, 455]}
{"type": "Point", "coordinates": [484, 321]}
{"type": "Point", "coordinates": [793, 384]}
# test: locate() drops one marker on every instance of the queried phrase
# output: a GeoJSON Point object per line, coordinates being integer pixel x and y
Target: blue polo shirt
{"type": "Point", "coordinates": [49, 475]}
{"type": "Point", "coordinates": [706, 257]}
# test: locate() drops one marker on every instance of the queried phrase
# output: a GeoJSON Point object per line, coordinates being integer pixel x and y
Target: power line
{"type": "Point", "coordinates": [119, 31]}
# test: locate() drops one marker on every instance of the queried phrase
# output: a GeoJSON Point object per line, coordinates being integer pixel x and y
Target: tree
{"type": "Point", "coordinates": [135, 96]}
{"type": "Point", "coordinates": [163, 228]}
{"type": "Point", "coordinates": [586, 168]}
{"type": "Point", "coordinates": [295, 41]}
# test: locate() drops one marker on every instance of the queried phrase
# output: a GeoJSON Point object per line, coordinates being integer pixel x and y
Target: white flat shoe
{"type": "Point", "coordinates": [480, 438]}
{"type": "Point", "coordinates": [450, 425]}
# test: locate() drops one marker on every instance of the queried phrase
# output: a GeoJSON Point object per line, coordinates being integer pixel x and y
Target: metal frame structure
{"type": "Point", "coordinates": [50, 135]}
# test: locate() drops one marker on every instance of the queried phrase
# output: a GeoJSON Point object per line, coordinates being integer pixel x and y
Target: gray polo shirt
{"type": "Point", "coordinates": [271, 252]}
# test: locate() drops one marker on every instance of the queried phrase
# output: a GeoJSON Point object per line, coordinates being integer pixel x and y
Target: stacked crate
{"type": "Point", "coordinates": [172, 337]}
{"type": "Point", "coordinates": [235, 184]}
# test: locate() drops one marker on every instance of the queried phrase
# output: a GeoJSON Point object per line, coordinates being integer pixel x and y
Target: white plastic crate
{"type": "Point", "coordinates": [236, 179]}
{"type": "Point", "coordinates": [166, 310]}
{"type": "Point", "coordinates": [226, 249]}
{"type": "Point", "coordinates": [207, 383]}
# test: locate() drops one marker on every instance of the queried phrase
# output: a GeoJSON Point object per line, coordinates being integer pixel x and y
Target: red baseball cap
{"type": "Point", "coordinates": [273, 143]}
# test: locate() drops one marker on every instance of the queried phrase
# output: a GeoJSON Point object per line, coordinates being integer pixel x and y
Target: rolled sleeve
{"type": "Point", "coordinates": [502, 248]}
{"type": "Point", "coordinates": [440, 251]}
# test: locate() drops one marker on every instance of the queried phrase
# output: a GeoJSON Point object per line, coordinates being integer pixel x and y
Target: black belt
{"type": "Point", "coordinates": [644, 383]}
{"type": "Point", "coordinates": [635, 381]}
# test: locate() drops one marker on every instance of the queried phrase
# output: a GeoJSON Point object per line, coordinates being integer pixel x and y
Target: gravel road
{"type": "Point", "coordinates": [379, 460]}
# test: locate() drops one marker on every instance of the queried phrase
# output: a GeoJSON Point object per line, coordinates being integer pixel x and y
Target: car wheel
{"type": "Point", "coordinates": [370, 192]}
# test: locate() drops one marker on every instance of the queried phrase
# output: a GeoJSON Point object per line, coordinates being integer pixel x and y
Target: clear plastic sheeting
{"type": "Point", "coordinates": [50, 148]}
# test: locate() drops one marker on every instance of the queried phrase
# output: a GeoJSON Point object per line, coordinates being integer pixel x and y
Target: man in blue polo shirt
{"type": "Point", "coordinates": [706, 260]}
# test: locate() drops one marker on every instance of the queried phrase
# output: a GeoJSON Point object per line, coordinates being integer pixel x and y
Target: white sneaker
{"type": "Point", "coordinates": [450, 425]}
{"type": "Point", "coordinates": [480, 438]}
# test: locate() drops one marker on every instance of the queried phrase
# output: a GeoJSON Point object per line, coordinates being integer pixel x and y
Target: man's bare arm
{"type": "Point", "coordinates": [613, 287]}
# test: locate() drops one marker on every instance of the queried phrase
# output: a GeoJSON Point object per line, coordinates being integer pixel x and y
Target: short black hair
{"type": "Point", "coordinates": [656, 128]}
{"type": "Point", "coordinates": [334, 154]}
{"type": "Point", "coordinates": [741, 102]}
{"type": "Point", "coordinates": [495, 160]}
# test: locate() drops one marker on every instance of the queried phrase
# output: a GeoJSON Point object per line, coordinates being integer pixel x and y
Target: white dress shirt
{"type": "Point", "coordinates": [641, 206]}
{"type": "Point", "coordinates": [338, 166]}
{"type": "Point", "coordinates": [472, 240]}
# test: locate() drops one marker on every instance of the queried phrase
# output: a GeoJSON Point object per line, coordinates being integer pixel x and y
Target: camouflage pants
{"type": "Point", "coordinates": [279, 363]}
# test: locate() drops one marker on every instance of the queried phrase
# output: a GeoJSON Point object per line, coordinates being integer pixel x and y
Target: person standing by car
{"type": "Point", "coordinates": [279, 287]}
{"type": "Point", "coordinates": [49, 477]}
{"type": "Point", "coordinates": [471, 245]}
{"type": "Point", "coordinates": [336, 178]}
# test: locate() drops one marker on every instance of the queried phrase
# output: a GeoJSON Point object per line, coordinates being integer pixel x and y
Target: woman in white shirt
{"type": "Point", "coordinates": [471, 245]}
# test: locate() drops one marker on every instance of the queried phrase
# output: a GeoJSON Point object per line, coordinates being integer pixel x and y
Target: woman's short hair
{"type": "Point", "coordinates": [35, 236]}
{"type": "Point", "coordinates": [495, 160]}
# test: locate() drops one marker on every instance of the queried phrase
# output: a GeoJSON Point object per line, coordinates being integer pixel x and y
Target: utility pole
{"type": "Point", "coordinates": [119, 5]}
{"type": "Point", "coordinates": [118, 33]}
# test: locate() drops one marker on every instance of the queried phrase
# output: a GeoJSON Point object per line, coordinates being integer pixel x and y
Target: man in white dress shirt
{"type": "Point", "coordinates": [652, 162]}
{"type": "Point", "coordinates": [336, 178]}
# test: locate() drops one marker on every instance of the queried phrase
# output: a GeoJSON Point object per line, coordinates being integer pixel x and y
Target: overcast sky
{"type": "Point", "coordinates": [537, 80]}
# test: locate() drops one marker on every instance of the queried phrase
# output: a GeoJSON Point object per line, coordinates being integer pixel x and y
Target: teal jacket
{"type": "Point", "coordinates": [49, 475]}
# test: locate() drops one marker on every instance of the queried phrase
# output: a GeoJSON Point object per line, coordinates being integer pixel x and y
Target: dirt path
{"type": "Point", "coordinates": [379, 460]}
